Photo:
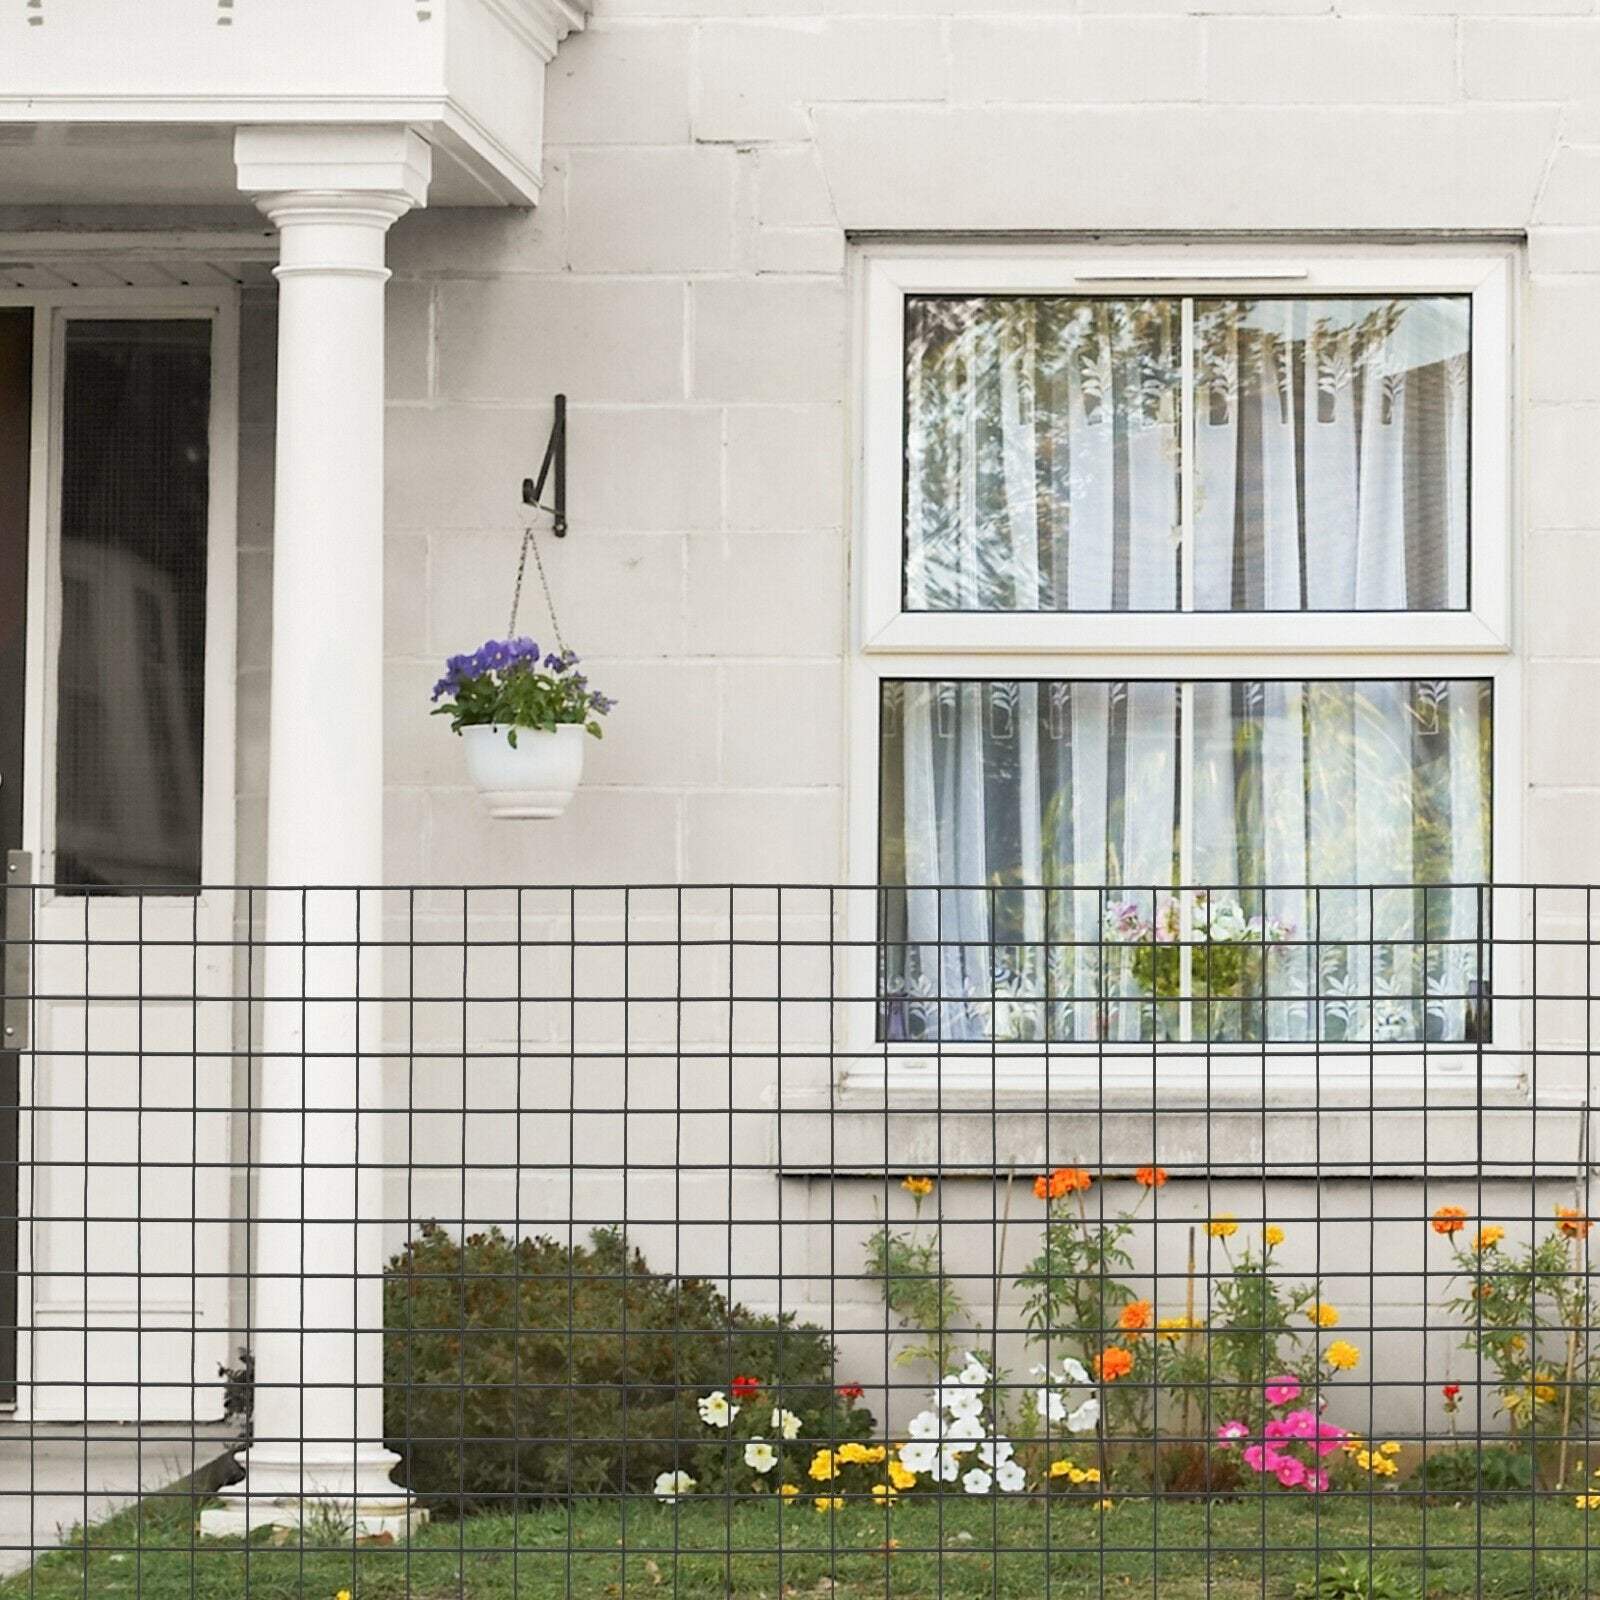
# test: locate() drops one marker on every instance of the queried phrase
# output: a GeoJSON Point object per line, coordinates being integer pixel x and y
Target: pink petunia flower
{"type": "Point", "coordinates": [1229, 1431]}
{"type": "Point", "coordinates": [1280, 1391]}
{"type": "Point", "coordinates": [1291, 1472]}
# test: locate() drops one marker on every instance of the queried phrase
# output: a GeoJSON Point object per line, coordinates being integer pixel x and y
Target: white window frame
{"type": "Point", "coordinates": [889, 642]}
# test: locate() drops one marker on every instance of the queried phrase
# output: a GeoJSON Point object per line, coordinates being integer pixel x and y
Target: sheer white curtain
{"type": "Point", "coordinates": [1042, 454]}
{"type": "Point", "coordinates": [1019, 815]}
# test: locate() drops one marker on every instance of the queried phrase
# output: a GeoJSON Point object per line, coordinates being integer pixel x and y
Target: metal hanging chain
{"type": "Point", "coordinates": [529, 542]}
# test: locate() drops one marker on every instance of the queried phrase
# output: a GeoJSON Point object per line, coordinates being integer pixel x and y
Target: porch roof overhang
{"type": "Point", "coordinates": [138, 105]}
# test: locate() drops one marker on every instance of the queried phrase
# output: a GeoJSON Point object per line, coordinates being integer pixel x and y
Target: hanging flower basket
{"type": "Point", "coordinates": [524, 718]}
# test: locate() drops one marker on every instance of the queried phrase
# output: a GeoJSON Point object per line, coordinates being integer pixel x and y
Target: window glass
{"type": "Point", "coordinates": [1033, 837]}
{"type": "Point", "coordinates": [1044, 456]}
{"type": "Point", "coordinates": [135, 491]}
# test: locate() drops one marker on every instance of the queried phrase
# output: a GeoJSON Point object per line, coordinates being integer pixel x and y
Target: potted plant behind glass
{"type": "Point", "coordinates": [524, 719]}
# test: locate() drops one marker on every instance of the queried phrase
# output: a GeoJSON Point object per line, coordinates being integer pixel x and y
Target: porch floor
{"type": "Point", "coordinates": [55, 1477]}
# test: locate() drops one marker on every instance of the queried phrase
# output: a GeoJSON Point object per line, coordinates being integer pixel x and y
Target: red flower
{"type": "Point", "coordinates": [1451, 1390]}
{"type": "Point", "coordinates": [851, 1391]}
{"type": "Point", "coordinates": [744, 1387]}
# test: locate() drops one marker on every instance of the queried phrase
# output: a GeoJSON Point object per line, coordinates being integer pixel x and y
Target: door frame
{"type": "Point", "coordinates": [213, 909]}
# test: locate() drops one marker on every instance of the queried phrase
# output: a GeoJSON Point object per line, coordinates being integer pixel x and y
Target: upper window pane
{"type": "Point", "coordinates": [1331, 454]}
{"type": "Point", "coordinates": [1044, 454]}
{"type": "Point", "coordinates": [135, 490]}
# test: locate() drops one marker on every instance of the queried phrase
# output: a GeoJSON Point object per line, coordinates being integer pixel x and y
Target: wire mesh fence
{"type": "Point", "coordinates": [767, 1240]}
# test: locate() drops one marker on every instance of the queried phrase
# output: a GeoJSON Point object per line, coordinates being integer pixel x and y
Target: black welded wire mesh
{"type": "Point", "coordinates": [558, 1193]}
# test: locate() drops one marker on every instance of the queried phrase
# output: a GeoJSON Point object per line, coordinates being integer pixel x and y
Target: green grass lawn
{"type": "Point", "coordinates": [947, 1547]}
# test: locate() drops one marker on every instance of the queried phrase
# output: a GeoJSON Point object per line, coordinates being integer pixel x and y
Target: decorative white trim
{"type": "Point", "coordinates": [297, 167]}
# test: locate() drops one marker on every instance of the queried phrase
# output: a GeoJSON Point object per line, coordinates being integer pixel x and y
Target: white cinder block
{"type": "Point", "coordinates": [1561, 251]}
{"type": "Point", "coordinates": [652, 210]}
{"type": "Point", "coordinates": [503, 444]}
{"type": "Point", "coordinates": [1165, 168]}
{"type": "Point", "coordinates": [1571, 195]}
{"type": "Point", "coordinates": [1358, 61]}
{"type": "Point", "coordinates": [790, 189]}
{"type": "Point", "coordinates": [755, 80]}
{"type": "Point", "coordinates": [606, 836]}
{"type": "Point", "coordinates": [518, 339]}
{"type": "Point", "coordinates": [1564, 339]}
{"type": "Point", "coordinates": [663, 731]}
{"type": "Point", "coordinates": [785, 467]}
{"type": "Point", "coordinates": [733, 588]}
{"type": "Point", "coordinates": [808, 250]}
{"type": "Point", "coordinates": [1559, 566]}
{"type": "Point", "coordinates": [1467, 8]}
{"type": "Point", "coordinates": [617, 594]}
{"type": "Point", "coordinates": [1075, 59]}
{"type": "Point", "coordinates": [1563, 701]}
{"type": "Point", "coordinates": [648, 469]}
{"type": "Point", "coordinates": [767, 339]}
{"type": "Point", "coordinates": [418, 747]}
{"type": "Point", "coordinates": [405, 593]}
{"type": "Point", "coordinates": [1512, 59]}
{"type": "Point", "coordinates": [782, 725]}
{"type": "Point", "coordinates": [762, 837]}
{"type": "Point", "coordinates": [1254, 8]}
{"type": "Point", "coordinates": [1564, 836]}
{"type": "Point", "coordinates": [619, 85]}
{"type": "Point", "coordinates": [1564, 488]}
{"type": "Point", "coordinates": [495, 239]}
{"type": "Point", "coordinates": [407, 337]}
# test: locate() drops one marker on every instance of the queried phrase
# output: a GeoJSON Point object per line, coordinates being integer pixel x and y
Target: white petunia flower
{"type": "Point", "coordinates": [1051, 1406]}
{"type": "Point", "coordinates": [787, 1423]}
{"type": "Point", "coordinates": [1085, 1417]}
{"type": "Point", "coordinates": [977, 1482]}
{"type": "Point", "coordinates": [1010, 1476]}
{"type": "Point", "coordinates": [963, 1402]}
{"type": "Point", "coordinates": [950, 1455]}
{"type": "Point", "coordinates": [1074, 1369]}
{"type": "Point", "coordinates": [925, 1425]}
{"type": "Point", "coordinates": [671, 1484]}
{"type": "Point", "coordinates": [995, 1452]}
{"type": "Point", "coordinates": [965, 1428]}
{"type": "Point", "coordinates": [919, 1458]}
{"type": "Point", "coordinates": [715, 1411]}
{"type": "Point", "coordinates": [760, 1455]}
{"type": "Point", "coordinates": [974, 1371]}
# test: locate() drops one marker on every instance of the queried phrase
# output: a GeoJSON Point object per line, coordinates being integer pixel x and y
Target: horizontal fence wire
{"type": "Point", "coordinates": [765, 1240]}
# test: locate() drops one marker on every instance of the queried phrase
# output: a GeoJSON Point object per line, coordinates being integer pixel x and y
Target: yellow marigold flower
{"type": "Point", "coordinates": [1487, 1238]}
{"type": "Point", "coordinates": [1383, 1467]}
{"type": "Point", "coordinates": [1273, 1234]}
{"type": "Point", "coordinates": [1077, 1474]}
{"type": "Point", "coordinates": [1342, 1356]}
{"type": "Point", "coordinates": [917, 1186]}
{"type": "Point", "coordinates": [1517, 1343]}
{"type": "Point", "coordinates": [1325, 1316]}
{"type": "Point", "coordinates": [1172, 1329]}
{"type": "Point", "coordinates": [1104, 1505]}
{"type": "Point", "coordinates": [1059, 1469]}
{"type": "Point", "coordinates": [1223, 1226]}
{"type": "Point", "coordinates": [1389, 1448]}
{"type": "Point", "coordinates": [1588, 1502]}
{"type": "Point", "coordinates": [1091, 1475]}
{"type": "Point", "coordinates": [829, 1502]}
{"type": "Point", "coordinates": [822, 1466]}
{"type": "Point", "coordinates": [343, 1594]}
{"type": "Point", "coordinates": [788, 1490]}
{"type": "Point", "coordinates": [885, 1492]}
{"type": "Point", "coordinates": [901, 1477]}
{"type": "Point", "coordinates": [1449, 1219]}
{"type": "Point", "coordinates": [1544, 1391]}
{"type": "Point", "coordinates": [856, 1454]}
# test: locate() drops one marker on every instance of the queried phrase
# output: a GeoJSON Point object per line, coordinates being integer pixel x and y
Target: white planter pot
{"type": "Point", "coordinates": [535, 779]}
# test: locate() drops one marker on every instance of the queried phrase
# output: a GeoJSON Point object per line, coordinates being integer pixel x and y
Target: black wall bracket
{"type": "Point", "coordinates": [555, 456]}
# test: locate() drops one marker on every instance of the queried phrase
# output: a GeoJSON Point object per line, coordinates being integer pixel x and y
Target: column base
{"type": "Point", "coordinates": [337, 1496]}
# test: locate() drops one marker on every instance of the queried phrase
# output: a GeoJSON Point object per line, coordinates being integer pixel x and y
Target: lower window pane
{"type": "Point", "coordinates": [1032, 841]}
{"type": "Point", "coordinates": [135, 490]}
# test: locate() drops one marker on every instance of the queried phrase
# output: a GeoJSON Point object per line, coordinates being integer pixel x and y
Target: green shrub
{"type": "Point", "coordinates": [530, 1370]}
{"type": "Point", "coordinates": [1491, 1471]}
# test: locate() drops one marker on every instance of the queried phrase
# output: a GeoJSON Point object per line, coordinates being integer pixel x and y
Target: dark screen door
{"type": "Point", "coordinates": [16, 366]}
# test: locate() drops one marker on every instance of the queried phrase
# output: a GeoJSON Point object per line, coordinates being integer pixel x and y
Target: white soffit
{"type": "Point", "coordinates": [136, 104]}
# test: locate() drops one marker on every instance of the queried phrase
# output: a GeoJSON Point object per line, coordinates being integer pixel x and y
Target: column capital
{"type": "Point", "coordinates": [292, 164]}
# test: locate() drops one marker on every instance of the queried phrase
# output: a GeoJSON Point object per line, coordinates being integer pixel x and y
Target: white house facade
{"type": "Point", "coordinates": [1041, 452]}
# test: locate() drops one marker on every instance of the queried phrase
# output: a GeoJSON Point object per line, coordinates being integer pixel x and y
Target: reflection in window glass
{"type": "Point", "coordinates": [135, 489]}
{"type": "Point", "coordinates": [1031, 842]}
{"type": "Point", "coordinates": [1043, 458]}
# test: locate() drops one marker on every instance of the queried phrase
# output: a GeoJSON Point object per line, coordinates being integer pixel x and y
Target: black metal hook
{"type": "Point", "coordinates": [555, 454]}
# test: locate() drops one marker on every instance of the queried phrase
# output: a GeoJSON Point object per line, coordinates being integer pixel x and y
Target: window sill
{"type": "Point", "coordinates": [1283, 1114]}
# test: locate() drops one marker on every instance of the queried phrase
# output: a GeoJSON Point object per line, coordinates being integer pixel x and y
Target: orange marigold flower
{"type": "Point", "coordinates": [1572, 1222]}
{"type": "Point", "coordinates": [1135, 1316]}
{"type": "Point", "coordinates": [917, 1186]}
{"type": "Point", "coordinates": [1449, 1219]}
{"type": "Point", "coordinates": [1112, 1363]}
{"type": "Point", "coordinates": [1150, 1177]}
{"type": "Point", "coordinates": [1064, 1180]}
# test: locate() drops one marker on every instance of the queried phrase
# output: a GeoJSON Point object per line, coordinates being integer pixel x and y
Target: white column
{"type": "Point", "coordinates": [316, 1253]}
